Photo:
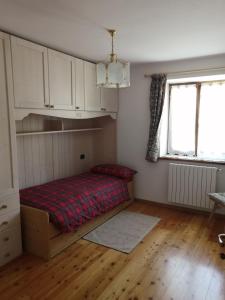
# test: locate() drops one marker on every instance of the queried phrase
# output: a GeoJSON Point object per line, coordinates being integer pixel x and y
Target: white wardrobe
{"type": "Point", "coordinates": [38, 80]}
{"type": "Point", "coordinates": [10, 232]}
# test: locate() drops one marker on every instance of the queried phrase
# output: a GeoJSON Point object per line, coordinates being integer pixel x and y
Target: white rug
{"type": "Point", "coordinates": [123, 232]}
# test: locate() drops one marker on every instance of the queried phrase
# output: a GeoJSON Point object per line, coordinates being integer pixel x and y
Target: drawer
{"type": "Point", "coordinates": [10, 220]}
{"type": "Point", "coordinates": [10, 237]}
{"type": "Point", "coordinates": [6, 255]}
{"type": "Point", "coordinates": [10, 245]}
{"type": "Point", "coordinates": [7, 205]}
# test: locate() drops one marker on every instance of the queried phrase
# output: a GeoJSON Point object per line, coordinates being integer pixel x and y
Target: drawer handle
{"type": "Point", "coordinates": [51, 106]}
{"type": "Point", "coordinates": [46, 105]}
{"type": "Point", "coordinates": [4, 206]}
{"type": "Point", "coordinates": [7, 254]}
{"type": "Point", "coordinates": [77, 107]}
{"type": "Point", "coordinates": [4, 223]}
{"type": "Point", "coordinates": [103, 109]}
{"type": "Point", "coordinates": [6, 239]}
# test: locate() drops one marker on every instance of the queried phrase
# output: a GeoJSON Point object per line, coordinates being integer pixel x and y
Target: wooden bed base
{"type": "Point", "coordinates": [41, 238]}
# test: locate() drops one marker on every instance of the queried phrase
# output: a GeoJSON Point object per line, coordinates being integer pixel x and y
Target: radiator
{"type": "Point", "coordinates": [190, 185]}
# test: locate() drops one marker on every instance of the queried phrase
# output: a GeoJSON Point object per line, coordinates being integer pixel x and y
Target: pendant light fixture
{"type": "Point", "coordinates": [113, 73]}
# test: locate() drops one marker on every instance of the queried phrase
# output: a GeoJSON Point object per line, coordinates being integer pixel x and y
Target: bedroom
{"type": "Point", "coordinates": [144, 231]}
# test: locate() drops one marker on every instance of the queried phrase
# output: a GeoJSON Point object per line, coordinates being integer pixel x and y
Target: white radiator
{"type": "Point", "coordinates": [190, 185]}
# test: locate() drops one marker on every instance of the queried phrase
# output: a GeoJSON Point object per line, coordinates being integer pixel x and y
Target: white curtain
{"type": "Point", "coordinates": [182, 119]}
{"type": "Point", "coordinates": [211, 141]}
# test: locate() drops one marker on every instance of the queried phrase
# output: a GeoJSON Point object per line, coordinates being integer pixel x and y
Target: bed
{"type": "Point", "coordinates": [56, 214]}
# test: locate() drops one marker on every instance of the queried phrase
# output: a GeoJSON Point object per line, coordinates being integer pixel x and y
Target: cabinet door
{"type": "Point", "coordinates": [30, 74]}
{"type": "Point", "coordinates": [79, 69]}
{"type": "Point", "coordinates": [92, 92]}
{"type": "Point", "coordinates": [61, 80]}
{"type": "Point", "coordinates": [5, 144]}
{"type": "Point", "coordinates": [109, 99]}
{"type": "Point", "coordinates": [8, 171]}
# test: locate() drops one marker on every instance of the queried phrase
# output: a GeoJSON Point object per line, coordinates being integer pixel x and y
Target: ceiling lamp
{"type": "Point", "coordinates": [113, 73]}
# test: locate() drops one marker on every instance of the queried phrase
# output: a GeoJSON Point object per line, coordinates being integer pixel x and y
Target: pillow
{"type": "Point", "coordinates": [114, 170]}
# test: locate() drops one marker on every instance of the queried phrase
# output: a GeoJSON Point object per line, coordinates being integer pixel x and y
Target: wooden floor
{"type": "Point", "coordinates": [179, 259]}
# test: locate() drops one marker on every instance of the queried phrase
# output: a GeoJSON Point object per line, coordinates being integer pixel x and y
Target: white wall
{"type": "Point", "coordinates": [133, 127]}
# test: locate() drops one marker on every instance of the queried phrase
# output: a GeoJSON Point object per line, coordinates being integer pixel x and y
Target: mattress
{"type": "Point", "coordinates": [73, 201]}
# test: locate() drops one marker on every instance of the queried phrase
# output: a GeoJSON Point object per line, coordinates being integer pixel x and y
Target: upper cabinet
{"type": "Point", "coordinates": [61, 80]}
{"type": "Point", "coordinates": [98, 99]}
{"type": "Point", "coordinates": [109, 99]}
{"type": "Point", "coordinates": [79, 79]}
{"type": "Point", "coordinates": [92, 92]}
{"type": "Point", "coordinates": [30, 74]}
{"type": "Point", "coordinates": [49, 79]}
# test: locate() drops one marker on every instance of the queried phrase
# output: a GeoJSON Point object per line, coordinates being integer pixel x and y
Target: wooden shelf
{"type": "Point", "coordinates": [57, 131]}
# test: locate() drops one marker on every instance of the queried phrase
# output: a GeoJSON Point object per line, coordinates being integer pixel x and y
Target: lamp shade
{"type": "Point", "coordinates": [115, 74]}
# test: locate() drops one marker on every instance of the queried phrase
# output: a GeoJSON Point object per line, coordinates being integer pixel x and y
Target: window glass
{"type": "Point", "coordinates": [182, 119]}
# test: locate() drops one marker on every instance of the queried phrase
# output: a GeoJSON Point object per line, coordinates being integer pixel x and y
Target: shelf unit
{"type": "Point", "coordinates": [58, 131]}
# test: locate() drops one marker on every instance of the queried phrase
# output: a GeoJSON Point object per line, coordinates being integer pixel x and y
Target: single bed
{"type": "Point", "coordinates": [56, 214]}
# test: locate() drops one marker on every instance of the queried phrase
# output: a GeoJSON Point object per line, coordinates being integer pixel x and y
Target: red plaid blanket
{"type": "Point", "coordinates": [73, 201]}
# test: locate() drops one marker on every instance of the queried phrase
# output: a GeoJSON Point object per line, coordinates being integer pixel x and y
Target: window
{"type": "Point", "coordinates": [196, 120]}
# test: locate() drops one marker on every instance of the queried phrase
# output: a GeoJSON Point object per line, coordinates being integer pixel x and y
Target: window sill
{"type": "Point", "coordinates": [192, 159]}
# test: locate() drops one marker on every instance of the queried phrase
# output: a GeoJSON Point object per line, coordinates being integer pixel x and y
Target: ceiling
{"type": "Point", "coordinates": [148, 30]}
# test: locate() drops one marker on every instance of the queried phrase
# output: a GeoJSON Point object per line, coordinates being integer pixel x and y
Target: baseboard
{"type": "Point", "coordinates": [180, 208]}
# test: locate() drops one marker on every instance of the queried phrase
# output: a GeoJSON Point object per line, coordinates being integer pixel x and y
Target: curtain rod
{"type": "Point", "coordinates": [189, 72]}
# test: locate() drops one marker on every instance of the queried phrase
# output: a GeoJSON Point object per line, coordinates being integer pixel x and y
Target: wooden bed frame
{"type": "Point", "coordinates": [41, 238]}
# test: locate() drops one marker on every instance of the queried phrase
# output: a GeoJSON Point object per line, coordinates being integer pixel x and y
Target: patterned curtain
{"type": "Point", "coordinates": [157, 94]}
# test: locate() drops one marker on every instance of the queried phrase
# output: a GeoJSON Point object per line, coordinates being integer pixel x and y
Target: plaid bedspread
{"type": "Point", "coordinates": [73, 201]}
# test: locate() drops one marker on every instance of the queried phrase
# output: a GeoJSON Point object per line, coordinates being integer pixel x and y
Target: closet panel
{"type": "Point", "coordinates": [35, 160]}
{"type": "Point", "coordinates": [92, 92]}
{"type": "Point", "coordinates": [6, 180]}
{"type": "Point", "coordinates": [67, 149]}
{"type": "Point", "coordinates": [30, 74]}
{"type": "Point", "coordinates": [109, 99]}
{"type": "Point", "coordinates": [47, 157]}
{"type": "Point", "coordinates": [9, 196]}
{"type": "Point", "coordinates": [79, 84]}
{"type": "Point", "coordinates": [44, 158]}
{"type": "Point", "coordinates": [61, 80]}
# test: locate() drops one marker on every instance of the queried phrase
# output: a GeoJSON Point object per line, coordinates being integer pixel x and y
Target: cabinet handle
{"type": "Point", "coordinates": [103, 109]}
{"type": "Point", "coordinates": [77, 107]}
{"type": "Point", "coordinates": [51, 106]}
{"type": "Point", "coordinates": [4, 206]}
{"type": "Point", "coordinates": [4, 223]}
{"type": "Point", "coordinates": [6, 239]}
{"type": "Point", "coordinates": [46, 105]}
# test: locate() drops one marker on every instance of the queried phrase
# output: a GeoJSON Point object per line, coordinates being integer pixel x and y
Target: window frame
{"type": "Point", "coordinates": [197, 112]}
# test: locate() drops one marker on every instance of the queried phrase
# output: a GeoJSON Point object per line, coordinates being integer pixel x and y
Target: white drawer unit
{"type": "Point", "coordinates": [9, 220]}
{"type": "Point", "coordinates": [10, 241]}
{"type": "Point", "coordinates": [7, 205]}
{"type": "Point", "coordinates": [10, 232]}
{"type": "Point", "coordinates": [9, 237]}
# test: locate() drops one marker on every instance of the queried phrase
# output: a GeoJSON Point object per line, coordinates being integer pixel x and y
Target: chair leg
{"type": "Point", "coordinates": [212, 212]}
{"type": "Point", "coordinates": [221, 238]}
